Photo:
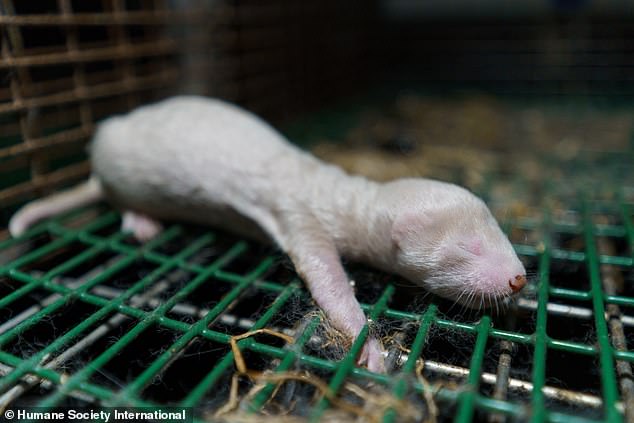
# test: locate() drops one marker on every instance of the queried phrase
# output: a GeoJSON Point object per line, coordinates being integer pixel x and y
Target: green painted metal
{"type": "Point", "coordinates": [468, 399]}
{"type": "Point", "coordinates": [608, 376]}
{"type": "Point", "coordinates": [538, 410]}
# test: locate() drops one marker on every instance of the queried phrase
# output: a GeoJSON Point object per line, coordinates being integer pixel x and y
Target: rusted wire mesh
{"type": "Point", "coordinates": [67, 64]}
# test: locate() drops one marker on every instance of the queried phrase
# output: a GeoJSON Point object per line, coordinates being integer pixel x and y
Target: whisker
{"type": "Point", "coordinates": [471, 298]}
{"type": "Point", "coordinates": [459, 297]}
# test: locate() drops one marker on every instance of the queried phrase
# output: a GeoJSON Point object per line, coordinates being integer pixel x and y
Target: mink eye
{"type": "Point", "coordinates": [473, 246]}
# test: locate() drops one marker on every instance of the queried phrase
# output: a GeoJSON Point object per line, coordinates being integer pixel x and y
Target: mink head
{"type": "Point", "coordinates": [447, 240]}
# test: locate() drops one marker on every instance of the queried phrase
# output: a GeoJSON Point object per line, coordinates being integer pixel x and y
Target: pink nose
{"type": "Point", "coordinates": [517, 284]}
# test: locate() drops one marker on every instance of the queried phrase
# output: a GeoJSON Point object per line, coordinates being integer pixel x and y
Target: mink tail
{"type": "Point", "coordinates": [83, 194]}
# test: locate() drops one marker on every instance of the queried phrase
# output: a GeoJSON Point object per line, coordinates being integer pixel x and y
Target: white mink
{"type": "Point", "coordinates": [206, 161]}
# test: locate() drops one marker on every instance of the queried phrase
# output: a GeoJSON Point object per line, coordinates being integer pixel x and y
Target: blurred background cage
{"type": "Point", "coordinates": [528, 103]}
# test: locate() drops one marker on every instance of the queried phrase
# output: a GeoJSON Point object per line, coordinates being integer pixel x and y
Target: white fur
{"type": "Point", "coordinates": [206, 161]}
{"type": "Point", "coordinates": [82, 194]}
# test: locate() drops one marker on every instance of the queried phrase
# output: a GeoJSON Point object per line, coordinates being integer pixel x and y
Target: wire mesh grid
{"type": "Point", "coordinates": [88, 316]}
{"type": "Point", "coordinates": [567, 356]}
{"type": "Point", "coordinates": [70, 64]}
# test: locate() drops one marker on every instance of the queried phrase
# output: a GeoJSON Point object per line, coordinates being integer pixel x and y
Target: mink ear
{"type": "Point", "coordinates": [406, 226]}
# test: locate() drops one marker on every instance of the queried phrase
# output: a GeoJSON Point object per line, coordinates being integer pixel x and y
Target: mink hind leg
{"type": "Point", "coordinates": [142, 227]}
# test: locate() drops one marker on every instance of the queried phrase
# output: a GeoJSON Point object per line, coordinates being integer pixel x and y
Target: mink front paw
{"type": "Point", "coordinates": [372, 356]}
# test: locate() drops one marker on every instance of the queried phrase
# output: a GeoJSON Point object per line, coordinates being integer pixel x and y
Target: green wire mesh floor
{"type": "Point", "coordinates": [89, 316]}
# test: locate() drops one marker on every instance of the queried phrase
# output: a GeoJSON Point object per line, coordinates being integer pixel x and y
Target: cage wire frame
{"type": "Point", "coordinates": [35, 134]}
{"type": "Point", "coordinates": [614, 356]}
{"type": "Point", "coordinates": [71, 64]}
